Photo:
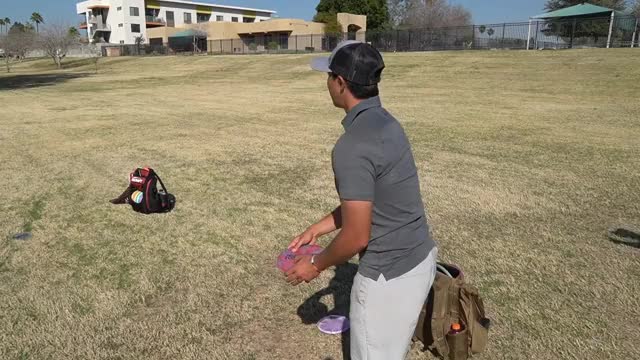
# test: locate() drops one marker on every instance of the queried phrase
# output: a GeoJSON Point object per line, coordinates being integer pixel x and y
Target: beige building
{"type": "Point", "coordinates": [284, 34]}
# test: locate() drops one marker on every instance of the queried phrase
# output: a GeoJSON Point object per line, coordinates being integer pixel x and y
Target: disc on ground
{"type": "Point", "coordinates": [333, 324]}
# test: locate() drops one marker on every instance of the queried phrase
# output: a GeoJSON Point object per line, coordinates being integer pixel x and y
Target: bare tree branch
{"type": "Point", "coordinates": [428, 14]}
{"type": "Point", "coordinates": [56, 40]}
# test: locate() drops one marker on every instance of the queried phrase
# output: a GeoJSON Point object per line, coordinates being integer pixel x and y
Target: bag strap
{"type": "Point", "coordinates": [161, 183]}
{"type": "Point", "coordinates": [153, 173]}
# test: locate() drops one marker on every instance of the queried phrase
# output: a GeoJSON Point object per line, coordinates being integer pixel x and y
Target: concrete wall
{"type": "Point", "coordinates": [350, 19]}
{"type": "Point", "coordinates": [227, 30]}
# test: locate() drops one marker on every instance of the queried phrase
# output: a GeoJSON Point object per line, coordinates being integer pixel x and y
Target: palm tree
{"type": "Point", "coordinates": [7, 22]}
{"type": "Point", "coordinates": [1, 24]}
{"type": "Point", "coordinates": [73, 32]}
{"type": "Point", "coordinates": [37, 18]}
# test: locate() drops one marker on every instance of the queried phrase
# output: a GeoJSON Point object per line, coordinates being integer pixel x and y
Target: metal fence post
{"type": "Point", "coordinates": [610, 29]}
{"type": "Point", "coordinates": [397, 37]}
{"type": "Point", "coordinates": [504, 27]}
{"type": "Point", "coordinates": [635, 31]}
{"type": "Point", "coordinates": [409, 32]}
{"type": "Point", "coordinates": [537, 30]}
{"type": "Point", "coordinates": [473, 36]}
{"type": "Point", "coordinates": [573, 33]}
{"type": "Point", "coordinates": [296, 44]}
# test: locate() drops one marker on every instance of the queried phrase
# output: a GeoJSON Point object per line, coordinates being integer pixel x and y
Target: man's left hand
{"type": "Point", "coordinates": [303, 270]}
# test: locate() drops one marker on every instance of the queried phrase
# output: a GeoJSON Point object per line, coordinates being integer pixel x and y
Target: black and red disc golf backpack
{"type": "Point", "coordinates": [143, 193]}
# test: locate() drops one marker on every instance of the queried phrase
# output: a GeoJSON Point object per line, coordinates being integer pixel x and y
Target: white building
{"type": "Point", "coordinates": [122, 21]}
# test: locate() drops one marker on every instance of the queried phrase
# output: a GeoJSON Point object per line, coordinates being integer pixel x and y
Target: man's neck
{"type": "Point", "coordinates": [351, 103]}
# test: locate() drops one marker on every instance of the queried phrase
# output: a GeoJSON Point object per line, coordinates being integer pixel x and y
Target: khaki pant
{"type": "Point", "coordinates": [384, 313]}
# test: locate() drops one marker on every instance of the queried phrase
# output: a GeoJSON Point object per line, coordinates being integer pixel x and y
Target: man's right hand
{"type": "Point", "coordinates": [308, 237]}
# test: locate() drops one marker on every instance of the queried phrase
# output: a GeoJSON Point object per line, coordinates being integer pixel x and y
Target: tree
{"type": "Point", "coordinates": [139, 41]}
{"type": "Point", "coordinates": [6, 47]}
{"type": "Point", "coordinates": [490, 32]}
{"type": "Point", "coordinates": [433, 14]}
{"type": "Point", "coordinates": [7, 22]}
{"type": "Point", "coordinates": [376, 11]}
{"type": "Point", "coordinates": [38, 19]}
{"type": "Point", "coordinates": [1, 25]}
{"type": "Point", "coordinates": [15, 45]}
{"type": "Point", "coordinates": [56, 41]}
{"type": "Point", "coordinates": [73, 31]}
{"type": "Point", "coordinates": [330, 20]}
{"type": "Point", "coordinates": [482, 29]}
{"type": "Point", "coordinates": [635, 8]}
{"type": "Point", "coordinates": [17, 26]}
{"type": "Point", "coordinates": [21, 39]}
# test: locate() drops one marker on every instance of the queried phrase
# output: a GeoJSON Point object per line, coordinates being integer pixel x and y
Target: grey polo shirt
{"type": "Point", "coordinates": [372, 161]}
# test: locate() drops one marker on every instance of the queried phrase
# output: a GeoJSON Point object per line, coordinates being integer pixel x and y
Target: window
{"type": "Point", "coordinates": [248, 19]}
{"type": "Point", "coordinates": [134, 11]}
{"type": "Point", "coordinates": [187, 18]}
{"type": "Point", "coordinates": [219, 18]}
{"type": "Point", "coordinates": [135, 28]}
{"type": "Point", "coordinates": [119, 8]}
{"type": "Point", "coordinates": [120, 25]}
{"type": "Point", "coordinates": [203, 18]}
{"type": "Point", "coordinates": [284, 41]}
{"type": "Point", "coordinates": [121, 41]}
{"type": "Point", "coordinates": [170, 20]}
{"type": "Point", "coordinates": [234, 19]}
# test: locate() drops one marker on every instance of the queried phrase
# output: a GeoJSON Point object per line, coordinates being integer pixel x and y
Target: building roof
{"type": "Point", "coordinates": [89, 2]}
{"type": "Point", "coordinates": [218, 6]}
{"type": "Point", "coordinates": [576, 10]}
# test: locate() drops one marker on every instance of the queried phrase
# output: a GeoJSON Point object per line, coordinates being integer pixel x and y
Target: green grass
{"type": "Point", "coordinates": [525, 158]}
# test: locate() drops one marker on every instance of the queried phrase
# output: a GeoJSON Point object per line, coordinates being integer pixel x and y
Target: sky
{"type": "Point", "coordinates": [484, 11]}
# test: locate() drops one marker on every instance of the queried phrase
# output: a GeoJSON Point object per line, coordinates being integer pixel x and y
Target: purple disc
{"type": "Point", "coordinates": [286, 259]}
{"type": "Point", "coordinates": [333, 324]}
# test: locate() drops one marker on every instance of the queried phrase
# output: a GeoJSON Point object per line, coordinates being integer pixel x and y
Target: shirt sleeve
{"type": "Point", "coordinates": [354, 171]}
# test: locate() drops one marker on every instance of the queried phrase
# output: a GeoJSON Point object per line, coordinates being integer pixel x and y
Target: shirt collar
{"type": "Point", "coordinates": [362, 106]}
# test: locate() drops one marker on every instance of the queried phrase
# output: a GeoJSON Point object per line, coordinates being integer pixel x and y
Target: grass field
{"type": "Point", "coordinates": [525, 158]}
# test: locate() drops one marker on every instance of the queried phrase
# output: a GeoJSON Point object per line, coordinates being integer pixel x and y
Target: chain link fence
{"type": "Point", "coordinates": [538, 34]}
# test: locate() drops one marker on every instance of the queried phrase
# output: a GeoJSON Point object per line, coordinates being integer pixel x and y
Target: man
{"type": "Point", "coordinates": [381, 214]}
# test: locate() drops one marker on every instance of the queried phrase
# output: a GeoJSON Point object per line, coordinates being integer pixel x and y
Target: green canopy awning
{"type": "Point", "coordinates": [189, 33]}
{"type": "Point", "coordinates": [576, 10]}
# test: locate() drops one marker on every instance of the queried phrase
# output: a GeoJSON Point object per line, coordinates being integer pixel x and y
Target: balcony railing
{"type": "Point", "coordinates": [102, 27]}
{"type": "Point", "coordinates": [155, 20]}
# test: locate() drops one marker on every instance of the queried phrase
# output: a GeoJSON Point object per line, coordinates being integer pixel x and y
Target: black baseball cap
{"type": "Point", "coordinates": [355, 61]}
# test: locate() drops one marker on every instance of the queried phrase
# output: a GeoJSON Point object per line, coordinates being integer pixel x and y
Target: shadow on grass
{"type": "Point", "coordinates": [18, 82]}
{"type": "Point", "coordinates": [75, 63]}
{"type": "Point", "coordinates": [312, 310]}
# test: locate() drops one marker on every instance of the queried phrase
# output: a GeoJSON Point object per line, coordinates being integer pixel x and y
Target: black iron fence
{"type": "Point", "coordinates": [135, 50]}
{"type": "Point", "coordinates": [624, 31]}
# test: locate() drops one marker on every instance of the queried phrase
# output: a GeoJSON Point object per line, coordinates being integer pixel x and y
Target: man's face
{"type": "Point", "coordinates": [335, 86]}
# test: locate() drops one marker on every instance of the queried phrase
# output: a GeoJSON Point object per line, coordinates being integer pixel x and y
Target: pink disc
{"type": "Point", "coordinates": [286, 259]}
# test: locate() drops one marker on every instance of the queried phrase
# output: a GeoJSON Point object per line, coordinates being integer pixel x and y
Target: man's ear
{"type": "Point", "coordinates": [343, 84]}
